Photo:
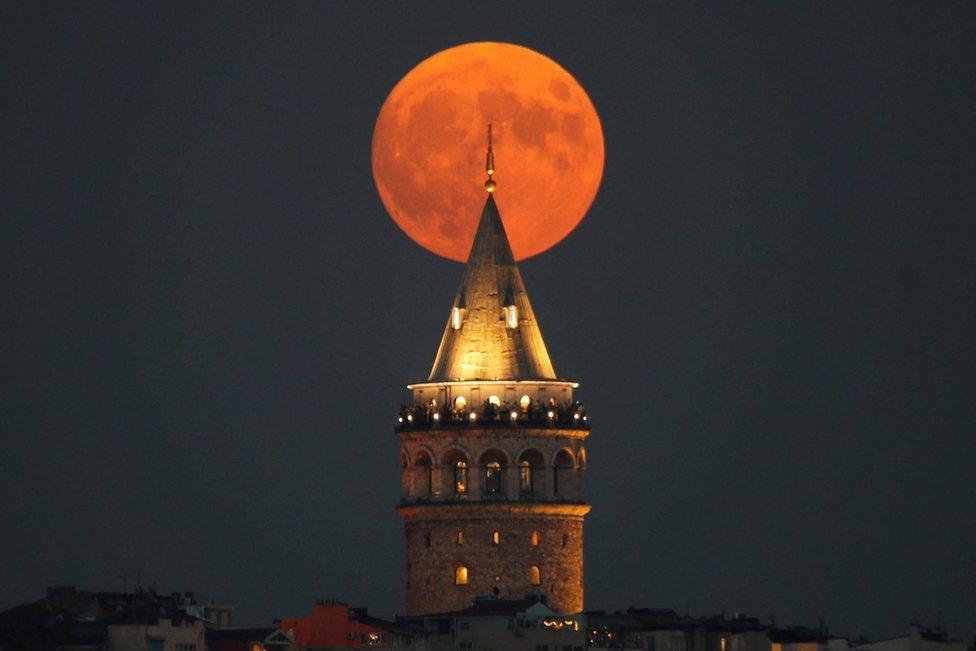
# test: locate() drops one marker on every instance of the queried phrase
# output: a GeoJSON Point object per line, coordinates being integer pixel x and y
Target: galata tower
{"type": "Point", "coordinates": [493, 456]}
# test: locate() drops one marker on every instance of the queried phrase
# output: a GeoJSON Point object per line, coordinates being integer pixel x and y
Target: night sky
{"type": "Point", "coordinates": [209, 318]}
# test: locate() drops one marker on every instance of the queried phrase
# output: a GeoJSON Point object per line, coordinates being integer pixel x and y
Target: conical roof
{"type": "Point", "coordinates": [485, 347]}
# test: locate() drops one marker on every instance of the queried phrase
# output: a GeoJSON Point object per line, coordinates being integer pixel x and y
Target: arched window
{"type": "Point", "coordinates": [456, 318]}
{"type": "Point", "coordinates": [460, 403]}
{"type": "Point", "coordinates": [529, 462]}
{"type": "Point", "coordinates": [563, 464]}
{"type": "Point", "coordinates": [525, 476]}
{"type": "Point", "coordinates": [525, 402]}
{"type": "Point", "coordinates": [535, 538]}
{"type": "Point", "coordinates": [455, 462]}
{"type": "Point", "coordinates": [535, 575]}
{"type": "Point", "coordinates": [460, 575]}
{"type": "Point", "coordinates": [496, 538]}
{"type": "Point", "coordinates": [493, 478]}
{"type": "Point", "coordinates": [493, 461]}
{"type": "Point", "coordinates": [459, 538]}
{"type": "Point", "coordinates": [424, 474]}
{"type": "Point", "coordinates": [494, 400]}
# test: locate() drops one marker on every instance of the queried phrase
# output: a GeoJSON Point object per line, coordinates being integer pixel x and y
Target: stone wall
{"type": "Point", "coordinates": [502, 569]}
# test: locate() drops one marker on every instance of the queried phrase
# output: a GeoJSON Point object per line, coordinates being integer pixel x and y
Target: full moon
{"type": "Point", "coordinates": [430, 141]}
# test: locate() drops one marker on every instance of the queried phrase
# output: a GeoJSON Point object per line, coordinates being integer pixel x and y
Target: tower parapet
{"type": "Point", "coordinates": [493, 457]}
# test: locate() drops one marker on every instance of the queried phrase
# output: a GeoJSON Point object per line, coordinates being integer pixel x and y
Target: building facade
{"type": "Point", "coordinates": [493, 455]}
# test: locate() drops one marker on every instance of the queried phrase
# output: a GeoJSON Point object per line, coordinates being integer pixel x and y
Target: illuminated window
{"type": "Point", "coordinates": [461, 477]}
{"type": "Point", "coordinates": [456, 318]}
{"type": "Point", "coordinates": [460, 575]}
{"type": "Point", "coordinates": [496, 538]}
{"type": "Point", "coordinates": [535, 575]}
{"type": "Point", "coordinates": [493, 478]}
{"type": "Point", "coordinates": [525, 476]}
{"type": "Point", "coordinates": [494, 400]}
{"type": "Point", "coordinates": [511, 316]}
{"type": "Point", "coordinates": [459, 538]}
{"type": "Point", "coordinates": [460, 403]}
{"type": "Point", "coordinates": [525, 402]}
{"type": "Point", "coordinates": [723, 643]}
{"type": "Point", "coordinates": [535, 538]}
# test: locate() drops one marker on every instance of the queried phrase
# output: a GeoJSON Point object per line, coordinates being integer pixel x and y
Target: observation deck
{"type": "Point", "coordinates": [554, 415]}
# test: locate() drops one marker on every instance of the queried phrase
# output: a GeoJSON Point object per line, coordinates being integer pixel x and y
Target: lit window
{"type": "Point", "coordinates": [497, 538]}
{"type": "Point", "coordinates": [511, 316]}
{"type": "Point", "coordinates": [461, 477]}
{"type": "Point", "coordinates": [460, 403]}
{"type": "Point", "coordinates": [460, 575]}
{"type": "Point", "coordinates": [525, 476]}
{"type": "Point", "coordinates": [525, 402]}
{"type": "Point", "coordinates": [535, 538]}
{"type": "Point", "coordinates": [459, 538]}
{"type": "Point", "coordinates": [535, 575]}
{"type": "Point", "coordinates": [494, 400]}
{"type": "Point", "coordinates": [493, 478]}
{"type": "Point", "coordinates": [723, 643]}
{"type": "Point", "coordinates": [456, 318]}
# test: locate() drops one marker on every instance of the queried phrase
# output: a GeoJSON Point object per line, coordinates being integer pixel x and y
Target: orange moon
{"type": "Point", "coordinates": [430, 141]}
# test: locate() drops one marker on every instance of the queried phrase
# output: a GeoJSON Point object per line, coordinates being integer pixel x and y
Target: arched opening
{"type": "Point", "coordinates": [565, 539]}
{"type": "Point", "coordinates": [423, 474]}
{"type": "Point", "coordinates": [494, 400]}
{"type": "Point", "coordinates": [534, 538]}
{"type": "Point", "coordinates": [460, 575]}
{"type": "Point", "coordinates": [460, 403]}
{"type": "Point", "coordinates": [561, 467]}
{"type": "Point", "coordinates": [525, 402]}
{"type": "Point", "coordinates": [457, 464]}
{"type": "Point", "coordinates": [493, 463]}
{"type": "Point", "coordinates": [427, 541]}
{"type": "Point", "coordinates": [459, 538]}
{"type": "Point", "coordinates": [535, 575]}
{"type": "Point", "coordinates": [581, 459]}
{"type": "Point", "coordinates": [496, 538]}
{"type": "Point", "coordinates": [529, 462]}
{"type": "Point", "coordinates": [511, 316]}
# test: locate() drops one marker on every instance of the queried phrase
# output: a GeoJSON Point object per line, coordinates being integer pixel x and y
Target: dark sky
{"type": "Point", "coordinates": [209, 319]}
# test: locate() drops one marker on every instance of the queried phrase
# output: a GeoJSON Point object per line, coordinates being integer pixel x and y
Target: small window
{"type": "Point", "coordinates": [456, 318]}
{"type": "Point", "coordinates": [496, 538]}
{"type": "Point", "coordinates": [511, 316]}
{"type": "Point", "coordinates": [535, 538]}
{"type": "Point", "coordinates": [566, 541]}
{"type": "Point", "coordinates": [459, 538]}
{"type": "Point", "coordinates": [460, 403]}
{"type": "Point", "coordinates": [535, 575]}
{"type": "Point", "coordinates": [460, 575]}
{"type": "Point", "coordinates": [427, 541]}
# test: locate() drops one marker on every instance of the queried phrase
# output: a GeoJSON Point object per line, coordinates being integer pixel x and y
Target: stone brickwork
{"type": "Point", "coordinates": [503, 569]}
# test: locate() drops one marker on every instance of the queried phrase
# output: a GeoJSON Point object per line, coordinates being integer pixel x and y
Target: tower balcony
{"type": "Point", "coordinates": [556, 415]}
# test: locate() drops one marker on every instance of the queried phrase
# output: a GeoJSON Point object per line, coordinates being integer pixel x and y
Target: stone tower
{"type": "Point", "coordinates": [492, 461]}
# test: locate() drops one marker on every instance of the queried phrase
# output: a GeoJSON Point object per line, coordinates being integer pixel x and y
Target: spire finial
{"type": "Point", "coordinates": [490, 165]}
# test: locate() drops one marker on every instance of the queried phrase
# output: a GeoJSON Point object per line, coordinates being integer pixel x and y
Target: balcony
{"type": "Point", "coordinates": [557, 416]}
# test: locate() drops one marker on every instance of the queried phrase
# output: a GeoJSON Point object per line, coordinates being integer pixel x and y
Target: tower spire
{"type": "Point", "coordinates": [490, 165]}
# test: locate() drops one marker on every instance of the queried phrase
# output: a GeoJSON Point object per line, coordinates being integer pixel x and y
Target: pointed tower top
{"type": "Point", "coordinates": [490, 165]}
{"type": "Point", "coordinates": [492, 333]}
